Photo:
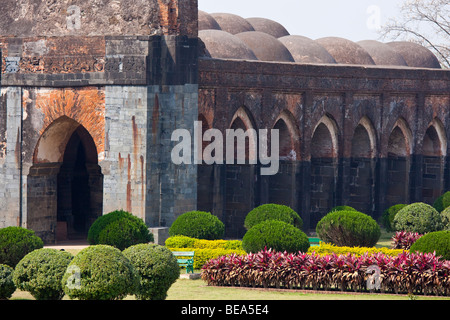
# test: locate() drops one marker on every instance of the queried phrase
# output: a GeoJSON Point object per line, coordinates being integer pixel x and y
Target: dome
{"type": "Point", "coordinates": [268, 26]}
{"type": "Point", "coordinates": [382, 54]}
{"type": "Point", "coordinates": [415, 55]}
{"type": "Point", "coordinates": [223, 45]}
{"type": "Point", "coordinates": [265, 46]}
{"type": "Point", "coordinates": [232, 23]}
{"type": "Point", "coordinates": [206, 22]}
{"type": "Point", "coordinates": [306, 50]}
{"type": "Point", "coordinates": [345, 51]}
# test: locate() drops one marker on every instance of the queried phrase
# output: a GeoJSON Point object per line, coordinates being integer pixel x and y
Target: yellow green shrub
{"type": "Point", "coordinates": [187, 242]}
{"type": "Point", "coordinates": [203, 255]}
{"type": "Point", "coordinates": [326, 248]}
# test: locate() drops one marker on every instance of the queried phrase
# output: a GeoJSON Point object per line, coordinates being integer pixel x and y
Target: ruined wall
{"type": "Point", "coordinates": [364, 137]}
{"type": "Point", "coordinates": [110, 78]}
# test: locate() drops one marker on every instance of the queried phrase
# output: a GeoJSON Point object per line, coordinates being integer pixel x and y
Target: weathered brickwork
{"type": "Point", "coordinates": [364, 137]}
{"type": "Point", "coordinates": [87, 110]}
{"type": "Point", "coordinates": [91, 93]}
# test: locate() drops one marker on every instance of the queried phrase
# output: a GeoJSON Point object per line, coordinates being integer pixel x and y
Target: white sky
{"type": "Point", "coordinates": [315, 18]}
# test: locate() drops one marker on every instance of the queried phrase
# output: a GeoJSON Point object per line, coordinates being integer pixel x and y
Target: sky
{"type": "Point", "coordinates": [355, 20]}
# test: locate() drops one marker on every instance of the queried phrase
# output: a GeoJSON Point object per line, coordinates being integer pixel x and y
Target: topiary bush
{"type": "Point", "coordinates": [157, 267]}
{"type": "Point", "coordinates": [445, 215]}
{"type": "Point", "coordinates": [418, 217]}
{"type": "Point", "coordinates": [342, 208]}
{"type": "Point", "coordinates": [40, 272]}
{"type": "Point", "coordinates": [198, 224]}
{"type": "Point", "coordinates": [442, 202]}
{"type": "Point", "coordinates": [120, 229]}
{"type": "Point", "coordinates": [438, 241]}
{"type": "Point", "coordinates": [348, 228]}
{"type": "Point", "coordinates": [276, 235]}
{"type": "Point", "coordinates": [7, 286]}
{"type": "Point", "coordinates": [16, 243]}
{"type": "Point", "coordinates": [100, 272]}
{"type": "Point", "coordinates": [272, 212]}
{"type": "Point", "coordinates": [388, 216]}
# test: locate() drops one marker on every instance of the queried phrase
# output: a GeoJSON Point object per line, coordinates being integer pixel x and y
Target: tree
{"type": "Point", "coordinates": [426, 22]}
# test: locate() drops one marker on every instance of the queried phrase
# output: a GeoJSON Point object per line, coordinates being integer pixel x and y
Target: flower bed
{"type": "Point", "coordinates": [404, 273]}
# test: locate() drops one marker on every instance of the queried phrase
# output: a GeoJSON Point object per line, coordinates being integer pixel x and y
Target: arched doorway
{"type": "Point", "coordinates": [398, 165]}
{"type": "Point", "coordinates": [362, 168]}
{"type": "Point", "coordinates": [323, 169]}
{"type": "Point", "coordinates": [65, 183]}
{"type": "Point", "coordinates": [433, 151]}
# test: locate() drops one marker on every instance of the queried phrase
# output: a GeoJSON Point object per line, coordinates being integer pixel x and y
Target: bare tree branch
{"type": "Point", "coordinates": [425, 22]}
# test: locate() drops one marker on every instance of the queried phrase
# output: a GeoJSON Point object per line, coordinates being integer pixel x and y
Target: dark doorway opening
{"type": "Point", "coordinates": [79, 185]}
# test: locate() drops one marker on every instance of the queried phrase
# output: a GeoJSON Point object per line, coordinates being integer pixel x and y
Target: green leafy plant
{"type": "Point", "coordinates": [15, 243]}
{"type": "Point", "coordinates": [276, 235]}
{"type": "Point", "coordinates": [438, 242]}
{"type": "Point", "coordinates": [7, 286]}
{"type": "Point", "coordinates": [445, 214]}
{"type": "Point", "coordinates": [199, 225]}
{"type": "Point", "coordinates": [100, 272]}
{"type": "Point", "coordinates": [442, 202]}
{"type": "Point", "coordinates": [388, 216]}
{"type": "Point", "coordinates": [157, 267]}
{"type": "Point", "coordinates": [343, 208]}
{"type": "Point", "coordinates": [272, 212]}
{"type": "Point", "coordinates": [418, 217]}
{"type": "Point", "coordinates": [120, 229]}
{"type": "Point", "coordinates": [40, 272]}
{"type": "Point", "coordinates": [348, 228]}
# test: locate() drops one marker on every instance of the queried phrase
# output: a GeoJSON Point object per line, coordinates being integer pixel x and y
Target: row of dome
{"type": "Point", "coordinates": [229, 36]}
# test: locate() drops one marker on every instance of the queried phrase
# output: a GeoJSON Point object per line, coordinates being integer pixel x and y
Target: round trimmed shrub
{"type": "Point", "coordinates": [40, 273]}
{"type": "Point", "coordinates": [388, 216]}
{"type": "Point", "coordinates": [348, 228]}
{"type": "Point", "coordinates": [445, 215]}
{"type": "Point", "coordinates": [438, 241]}
{"type": "Point", "coordinates": [343, 208]}
{"type": "Point", "coordinates": [7, 286]}
{"type": "Point", "coordinates": [272, 211]}
{"type": "Point", "coordinates": [418, 217]}
{"type": "Point", "coordinates": [100, 272]}
{"type": "Point", "coordinates": [120, 229]}
{"type": "Point", "coordinates": [157, 267]}
{"type": "Point", "coordinates": [442, 202]}
{"type": "Point", "coordinates": [199, 225]}
{"type": "Point", "coordinates": [16, 243]}
{"type": "Point", "coordinates": [276, 235]}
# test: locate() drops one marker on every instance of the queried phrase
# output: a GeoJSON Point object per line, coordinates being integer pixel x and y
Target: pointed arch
{"type": "Point", "coordinates": [324, 143]}
{"type": "Point", "coordinates": [364, 143]}
{"type": "Point", "coordinates": [242, 130]}
{"type": "Point", "coordinates": [400, 142]}
{"type": "Point", "coordinates": [289, 136]}
{"type": "Point", "coordinates": [435, 139]}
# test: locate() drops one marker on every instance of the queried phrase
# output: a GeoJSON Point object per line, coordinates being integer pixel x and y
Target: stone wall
{"type": "Point", "coordinates": [77, 88]}
{"type": "Point", "coordinates": [368, 137]}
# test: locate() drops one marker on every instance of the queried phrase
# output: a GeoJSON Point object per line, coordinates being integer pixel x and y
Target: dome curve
{"type": "Point", "coordinates": [232, 23]}
{"type": "Point", "coordinates": [415, 55]}
{"type": "Point", "coordinates": [268, 26]}
{"type": "Point", "coordinates": [382, 54]}
{"type": "Point", "coordinates": [223, 45]}
{"type": "Point", "coordinates": [306, 50]}
{"type": "Point", "coordinates": [345, 51]}
{"type": "Point", "coordinates": [265, 46]}
{"type": "Point", "coordinates": [206, 21]}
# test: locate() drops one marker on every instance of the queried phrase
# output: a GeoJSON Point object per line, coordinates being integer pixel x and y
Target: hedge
{"type": "Point", "coordinates": [188, 242]}
{"type": "Point", "coordinates": [202, 256]}
{"type": "Point", "coordinates": [328, 248]}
